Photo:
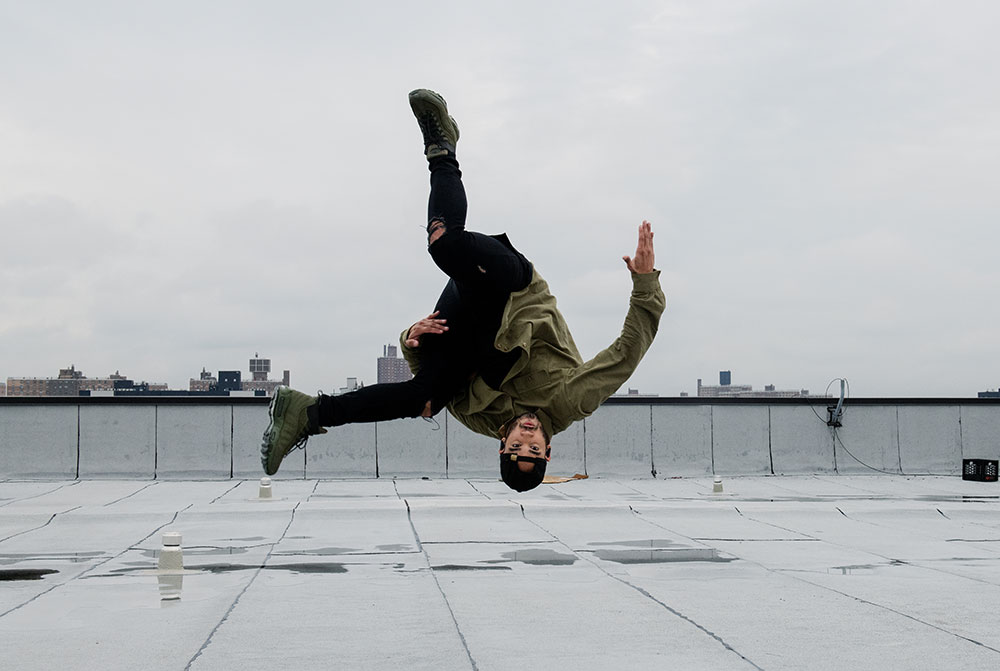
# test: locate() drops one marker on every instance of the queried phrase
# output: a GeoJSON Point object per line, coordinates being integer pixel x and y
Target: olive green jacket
{"type": "Point", "coordinates": [550, 378]}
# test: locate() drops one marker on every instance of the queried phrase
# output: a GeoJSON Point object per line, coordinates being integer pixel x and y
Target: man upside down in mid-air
{"type": "Point", "coordinates": [495, 351]}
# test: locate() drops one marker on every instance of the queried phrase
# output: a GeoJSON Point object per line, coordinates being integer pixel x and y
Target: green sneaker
{"type": "Point", "coordinates": [290, 426]}
{"type": "Point", "coordinates": [440, 130]}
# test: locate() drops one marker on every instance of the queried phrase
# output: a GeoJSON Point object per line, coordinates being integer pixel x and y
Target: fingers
{"type": "Point", "coordinates": [427, 325]}
{"type": "Point", "coordinates": [432, 325]}
{"type": "Point", "coordinates": [642, 262]}
{"type": "Point", "coordinates": [646, 234]}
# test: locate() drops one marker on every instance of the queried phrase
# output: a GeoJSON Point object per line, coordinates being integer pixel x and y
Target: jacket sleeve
{"type": "Point", "coordinates": [593, 382]}
{"type": "Point", "coordinates": [410, 354]}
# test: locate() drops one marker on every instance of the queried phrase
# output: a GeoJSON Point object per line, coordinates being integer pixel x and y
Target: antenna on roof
{"type": "Point", "coordinates": [837, 414]}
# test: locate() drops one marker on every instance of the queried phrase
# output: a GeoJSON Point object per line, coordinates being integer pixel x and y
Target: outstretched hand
{"type": "Point", "coordinates": [429, 324]}
{"type": "Point", "coordinates": [643, 260]}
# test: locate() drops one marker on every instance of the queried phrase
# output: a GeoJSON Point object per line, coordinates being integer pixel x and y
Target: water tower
{"type": "Point", "coordinates": [259, 368]}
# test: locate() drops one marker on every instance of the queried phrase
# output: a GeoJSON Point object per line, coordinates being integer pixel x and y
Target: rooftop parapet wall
{"type": "Point", "coordinates": [219, 438]}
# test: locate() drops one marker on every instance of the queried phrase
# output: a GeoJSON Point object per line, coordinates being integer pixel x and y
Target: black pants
{"type": "Point", "coordinates": [483, 271]}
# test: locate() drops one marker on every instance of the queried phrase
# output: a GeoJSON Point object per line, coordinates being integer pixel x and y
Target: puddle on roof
{"type": "Point", "coordinates": [73, 557]}
{"type": "Point", "coordinates": [958, 498]}
{"type": "Point", "coordinates": [322, 552]}
{"type": "Point", "coordinates": [327, 567]}
{"type": "Point", "coordinates": [646, 543]}
{"type": "Point", "coordinates": [16, 574]}
{"type": "Point", "coordinates": [539, 557]}
{"type": "Point", "coordinates": [546, 557]}
{"type": "Point", "coordinates": [852, 569]}
{"type": "Point", "coordinates": [653, 551]}
{"type": "Point", "coordinates": [202, 551]}
{"type": "Point", "coordinates": [661, 556]}
{"type": "Point", "coordinates": [300, 568]}
{"type": "Point", "coordinates": [530, 556]}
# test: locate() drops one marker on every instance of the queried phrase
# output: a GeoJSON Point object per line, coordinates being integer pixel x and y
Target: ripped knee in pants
{"type": "Point", "coordinates": [435, 230]}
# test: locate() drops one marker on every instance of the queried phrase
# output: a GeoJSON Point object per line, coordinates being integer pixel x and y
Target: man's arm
{"type": "Point", "coordinates": [593, 382]}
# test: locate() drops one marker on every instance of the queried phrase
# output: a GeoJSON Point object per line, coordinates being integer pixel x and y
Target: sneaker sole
{"type": "Point", "coordinates": [276, 410]}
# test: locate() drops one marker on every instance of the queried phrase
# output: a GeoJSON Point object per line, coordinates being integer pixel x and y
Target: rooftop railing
{"type": "Point", "coordinates": [638, 437]}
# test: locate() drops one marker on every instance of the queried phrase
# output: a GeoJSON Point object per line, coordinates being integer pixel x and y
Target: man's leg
{"type": "Point", "coordinates": [483, 271]}
{"type": "Point", "coordinates": [446, 364]}
{"type": "Point", "coordinates": [479, 263]}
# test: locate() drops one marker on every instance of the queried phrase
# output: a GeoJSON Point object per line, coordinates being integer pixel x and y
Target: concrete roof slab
{"type": "Point", "coordinates": [894, 573]}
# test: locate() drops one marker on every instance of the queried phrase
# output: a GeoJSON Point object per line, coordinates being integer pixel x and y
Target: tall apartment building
{"type": "Point", "coordinates": [391, 367]}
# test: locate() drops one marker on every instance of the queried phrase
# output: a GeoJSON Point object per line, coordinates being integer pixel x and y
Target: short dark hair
{"type": "Point", "coordinates": [517, 479]}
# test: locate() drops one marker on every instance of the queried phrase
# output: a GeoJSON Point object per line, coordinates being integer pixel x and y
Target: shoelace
{"type": "Point", "coordinates": [300, 444]}
{"type": "Point", "coordinates": [429, 126]}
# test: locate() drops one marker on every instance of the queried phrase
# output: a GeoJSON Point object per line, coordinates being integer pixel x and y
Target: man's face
{"type": "Point", "coordinates": [526, 439]}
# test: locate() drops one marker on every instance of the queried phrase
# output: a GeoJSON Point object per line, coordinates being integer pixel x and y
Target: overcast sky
{"type": "Point", "coordinates": [183, 184]}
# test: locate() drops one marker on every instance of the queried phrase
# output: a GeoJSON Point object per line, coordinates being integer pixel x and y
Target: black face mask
{"type": "Point", "coordinates": [520, 480]}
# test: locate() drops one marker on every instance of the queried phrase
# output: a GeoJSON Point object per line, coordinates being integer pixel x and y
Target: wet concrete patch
{"type": "Point", "coordinates": [962, 498]}
{"type": "Point", "coordinates": [204, 551]}
{"type": "Point", "coordinates": [15, 574]}
{"type": "Point", "coordinates": [852, 569]}
{"type": "Point", "coordinates": [72, 557]}
{"type": "Point", "coordinates": [322, 552]}
{"type": "Point", "coordinates": [529, 556]}
{"type": "Point", "coordinates": [301, 568]}
{"type": "Point", "coordinates": [662, 556]}
{"type": "Point", "coordinates": [646, 543]}
{"type": "Point", "coordinates": [539, 557]}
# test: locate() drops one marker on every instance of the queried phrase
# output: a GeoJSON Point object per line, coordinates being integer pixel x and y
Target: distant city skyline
{"type": "Point", "coordinates": [73, 382]}
{"type": "Point", "coordinates": [390, 367]}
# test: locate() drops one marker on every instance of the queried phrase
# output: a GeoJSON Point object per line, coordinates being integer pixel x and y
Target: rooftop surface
{"type": "Point", "coordinates": [807, 572]}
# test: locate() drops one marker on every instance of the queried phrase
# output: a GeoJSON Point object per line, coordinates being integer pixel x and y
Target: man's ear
{"type": "Point", "coordinates": [503, 441]}
{"type": "Point", "coordinates": [548, 453]}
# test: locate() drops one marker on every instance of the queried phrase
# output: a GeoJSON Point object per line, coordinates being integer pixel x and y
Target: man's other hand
{"type": "Point", "coordinates": [429, 324]}
{"type": "Point", "coordinates": [643, 260]}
